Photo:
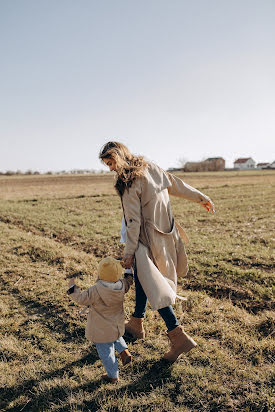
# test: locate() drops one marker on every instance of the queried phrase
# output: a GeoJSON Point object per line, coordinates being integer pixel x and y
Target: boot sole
{"type": "Point", "coordinates": [106, 378]}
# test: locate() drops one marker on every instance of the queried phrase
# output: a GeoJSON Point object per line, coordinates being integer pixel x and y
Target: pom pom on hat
{"type": "Point", "coordinates": [109, 269]}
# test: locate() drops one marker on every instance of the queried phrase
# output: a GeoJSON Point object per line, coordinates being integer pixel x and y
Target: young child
{"type": "Point", "coordinates": [105, 323]}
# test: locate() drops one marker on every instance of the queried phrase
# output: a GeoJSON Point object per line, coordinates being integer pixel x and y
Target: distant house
{"type": "Point", "coordinates": [193, 167]}
{"type": "Point", "coordinates": [262, 165]}
{"type": "Point", "coordinates": [209, 165]}
{"type": "Point", "coordinates": [271, 165]}
{"type": "Point", "coordinates": [218, 163]}
{"type": "Point", "coordinates": [244, 163]}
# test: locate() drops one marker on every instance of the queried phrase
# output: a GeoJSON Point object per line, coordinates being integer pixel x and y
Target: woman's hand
{"type": "Point", "coordinates": [128, 261]}
{"type": "Point", "coordinates": [209, 206]}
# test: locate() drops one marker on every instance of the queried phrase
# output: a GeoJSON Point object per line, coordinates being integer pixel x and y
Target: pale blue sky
{"type": "Point", "coordinates": [169, 78]}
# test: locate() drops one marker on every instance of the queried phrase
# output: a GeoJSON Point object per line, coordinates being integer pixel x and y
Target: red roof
{"type": "Point", "coordinates": [242, 160]}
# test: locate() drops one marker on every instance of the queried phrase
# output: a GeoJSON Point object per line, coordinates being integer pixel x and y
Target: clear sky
{"type": "Point", "coordinates": [171, 79]}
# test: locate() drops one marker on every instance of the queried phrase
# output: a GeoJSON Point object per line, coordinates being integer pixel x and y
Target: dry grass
{"type": "Point", "coordinates": [56, 227]}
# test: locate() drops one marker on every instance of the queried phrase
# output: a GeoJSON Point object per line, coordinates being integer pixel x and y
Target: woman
{"type": "Point", "coordinates": [153, 238]}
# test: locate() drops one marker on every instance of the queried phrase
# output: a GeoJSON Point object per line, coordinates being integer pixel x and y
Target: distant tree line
{"type": "Point", "coordinates": [62, 172]}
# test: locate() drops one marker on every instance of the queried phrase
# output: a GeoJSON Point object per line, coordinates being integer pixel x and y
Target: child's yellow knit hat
{"type": "Point", "coordinates": [109, 269]}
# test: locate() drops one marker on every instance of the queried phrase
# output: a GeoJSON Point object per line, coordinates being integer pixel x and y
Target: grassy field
{"type": "Point", "coordinates": [54, 227]}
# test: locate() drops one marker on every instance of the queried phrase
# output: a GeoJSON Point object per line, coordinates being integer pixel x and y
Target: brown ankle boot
{"type": "Point", "coordinates": [135, 327]}
{"type": "Point", "coordinates": [126, 357]}
{"type": "Point", "coordinates": [180, 342]}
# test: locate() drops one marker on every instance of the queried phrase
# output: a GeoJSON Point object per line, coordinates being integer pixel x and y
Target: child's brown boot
{"type": "Point", "coordinates": [180, 342]}
{"type": "Point", "coordinates": [126, 357]}
{"type": "Point", "coordinates": [135, 327]}
{"type": "Point", "coordinates": [107, 378]}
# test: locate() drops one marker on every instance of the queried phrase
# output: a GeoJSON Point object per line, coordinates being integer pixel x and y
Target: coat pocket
{"type": "Point", "coordinates": [167, 247]}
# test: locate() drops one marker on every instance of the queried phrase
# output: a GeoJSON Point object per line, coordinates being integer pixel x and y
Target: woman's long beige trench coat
{"type": "Point", "coordinates": [152, 235]}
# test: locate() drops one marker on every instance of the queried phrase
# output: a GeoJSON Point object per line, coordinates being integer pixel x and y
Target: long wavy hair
{"type": "Point", "coordinates": [128, 166]}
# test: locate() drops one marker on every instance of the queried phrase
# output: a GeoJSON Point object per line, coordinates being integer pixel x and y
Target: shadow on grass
{"type": "Point", "coordinates": [239, 296]}
{"type": "Point", "coordinates": [28, 387]}
{"type": "Point", "coordinates": [54, 317]}
{"type": "Point", "coordinates": [154, 376]}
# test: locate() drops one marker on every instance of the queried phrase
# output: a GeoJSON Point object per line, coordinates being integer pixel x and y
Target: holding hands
{"type": "Point", "coordinates": [128, 261]}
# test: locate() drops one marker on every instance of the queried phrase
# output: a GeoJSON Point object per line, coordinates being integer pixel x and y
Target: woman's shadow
{"type": "Point", "coordinates": [150, 376]}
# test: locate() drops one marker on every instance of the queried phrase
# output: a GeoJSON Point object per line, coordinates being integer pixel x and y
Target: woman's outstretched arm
{"type": "Point", "coordinates": [181, 189]}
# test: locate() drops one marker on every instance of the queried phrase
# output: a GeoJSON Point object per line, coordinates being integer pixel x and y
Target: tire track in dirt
{"type": "Point", "coordinates": [98, 248]}
{"type": "Point", "coordinates": [238, 296]}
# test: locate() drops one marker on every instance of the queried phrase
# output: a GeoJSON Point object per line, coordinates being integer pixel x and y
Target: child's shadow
{"type": "Point", "coordinates": [159, 371]}
{"type": "Point", "coordinates": [154, 376]}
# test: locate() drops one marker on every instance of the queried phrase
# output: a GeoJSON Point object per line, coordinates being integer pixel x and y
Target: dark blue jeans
{"type": "Point", "coordinates": [167, 313]}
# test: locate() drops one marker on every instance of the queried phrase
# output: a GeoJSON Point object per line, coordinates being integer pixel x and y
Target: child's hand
{"type": "Point", "coordinates": [128, 261]}
{"type": "Point", "coordinates": [71, 282]}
